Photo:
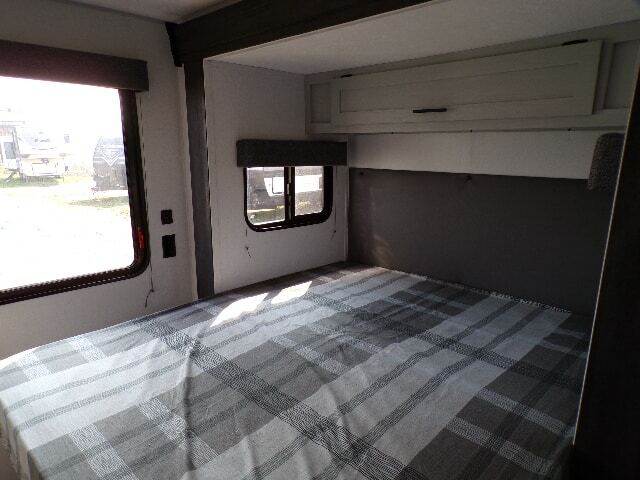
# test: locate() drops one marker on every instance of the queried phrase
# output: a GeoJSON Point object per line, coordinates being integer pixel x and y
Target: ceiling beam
{"type": "Point", "coordinates": [254, 22]}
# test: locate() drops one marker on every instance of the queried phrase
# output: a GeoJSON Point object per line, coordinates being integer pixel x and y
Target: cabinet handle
{"type": "Point", "coordinates": [429, 110]}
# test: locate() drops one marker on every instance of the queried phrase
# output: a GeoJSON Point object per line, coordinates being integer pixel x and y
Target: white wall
{"type": "Point", "coordinates": [249, 102]}
{"type": "Point", "coordinates": [35, 322]}
{"type": "Point", "coordinates": [556, 154]}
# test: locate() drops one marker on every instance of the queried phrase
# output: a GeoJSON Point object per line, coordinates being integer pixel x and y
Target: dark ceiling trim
{"type": "Point", "coordinates": [608, 431]}
{"type": "Point", "coordinates": [254, 22]}
{"type": "Point", "coordinates": [23, 60]}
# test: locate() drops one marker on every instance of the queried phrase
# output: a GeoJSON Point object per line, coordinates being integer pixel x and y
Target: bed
{"type": "Point", "coordinates": [343, 372]}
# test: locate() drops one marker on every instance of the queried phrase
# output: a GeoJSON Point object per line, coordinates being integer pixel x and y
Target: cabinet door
{"type": "Point", "coordinates": [550, 82]}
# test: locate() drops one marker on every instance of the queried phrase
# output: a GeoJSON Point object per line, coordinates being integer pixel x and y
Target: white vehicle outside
{"type": "Point", "coordinates": [39, 155]}
{"type": "Point", "coordinates": [32, 156]}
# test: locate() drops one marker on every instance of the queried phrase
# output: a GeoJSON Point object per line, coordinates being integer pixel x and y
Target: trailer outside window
{"type": "Point", "coordinates": [72, 209]}
{"type": "Point", "coordinates": [284, 197]}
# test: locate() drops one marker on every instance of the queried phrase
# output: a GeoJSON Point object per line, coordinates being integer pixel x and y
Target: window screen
{"type": "Point", "coordinates": [282, 197]}
{"type": "Point", "coordinates": [70, 187]}
{"type": "Point", "coordinates": [265, 195]}
{"type": "Point", "coordinates": [309, 188]}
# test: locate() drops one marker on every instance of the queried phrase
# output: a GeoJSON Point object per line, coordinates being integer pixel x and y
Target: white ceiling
{"type": "Point", "coordinates": [165, 10]}
{"type": "Point", "coordinates": [434, 28]}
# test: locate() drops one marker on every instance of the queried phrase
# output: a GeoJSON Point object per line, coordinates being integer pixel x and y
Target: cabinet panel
{"type": "Point", "coordinates": [551, 82]}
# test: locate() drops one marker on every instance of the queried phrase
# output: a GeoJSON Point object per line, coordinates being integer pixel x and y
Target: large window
{"type": "Point", "coordinates": [282, 197]}
{"type": "Point", "coordinates": [72, 210]}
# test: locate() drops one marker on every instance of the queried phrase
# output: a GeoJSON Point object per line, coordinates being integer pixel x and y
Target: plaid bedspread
{"type": "Point", "coordinates": [345, 372]}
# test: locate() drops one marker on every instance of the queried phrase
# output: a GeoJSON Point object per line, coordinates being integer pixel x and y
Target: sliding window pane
{"type": "Point", "coordinates": [309, 186]}
{"type": "Point", "coordinates": [64, 202]}
{"type": "Point", "coordinates": [265, 195]}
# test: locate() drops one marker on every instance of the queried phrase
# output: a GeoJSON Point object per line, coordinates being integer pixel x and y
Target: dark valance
{"type": "Point", "coordinates": [290, 153]}
{"type": "Point", "coordinates": [36, 62]}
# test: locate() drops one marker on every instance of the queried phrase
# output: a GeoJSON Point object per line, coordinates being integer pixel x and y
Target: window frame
{"type": "Point", "coordinates": [291, 219]}
{"type": "Point", "coordinates": [138, 213]}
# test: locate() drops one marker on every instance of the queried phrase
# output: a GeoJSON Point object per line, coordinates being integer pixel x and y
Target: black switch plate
{"type": "Point", "coordinates": [166, 216]}
{"type": "Point", "coordinates": [168, 246]}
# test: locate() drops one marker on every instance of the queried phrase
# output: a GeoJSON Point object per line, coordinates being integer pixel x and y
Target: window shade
{"type": "Point", "coordinates": [290, 153]}
{"type": "Point", "coordinates": [36, 62]}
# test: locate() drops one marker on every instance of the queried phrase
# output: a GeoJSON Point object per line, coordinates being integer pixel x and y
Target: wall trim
{"type": "Point", "coordinates": [199, 166]}
{"type": "Point", "coordinates": [608, 430]}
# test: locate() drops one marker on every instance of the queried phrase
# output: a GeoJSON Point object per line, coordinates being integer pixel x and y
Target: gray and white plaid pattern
{"type": "Point", "coordinates": [177, 430]}
{"type": "Point", "coordinates": [104, 462]}
{"type": "Point", "coordinates": [358, 372]}
{"type": "Point", "coordinates": [31, 366]}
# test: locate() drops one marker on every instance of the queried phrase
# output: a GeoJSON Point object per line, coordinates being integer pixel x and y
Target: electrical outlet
{"type": "Point", "coordinates": [166, 217]}
{"type": "Point", "coordinates": [168, 246]}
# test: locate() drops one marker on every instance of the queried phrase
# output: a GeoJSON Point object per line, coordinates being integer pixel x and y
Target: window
{"type": "Point", "coordinates": [73, 210]}
{"type": "Point", "coordinates": [283, 197]}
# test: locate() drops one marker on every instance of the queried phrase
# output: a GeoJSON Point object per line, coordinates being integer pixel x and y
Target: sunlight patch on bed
{"type": "Point", "coordinates": [237, 308]}
{"type": "Point", "coordinates": [289, 293]}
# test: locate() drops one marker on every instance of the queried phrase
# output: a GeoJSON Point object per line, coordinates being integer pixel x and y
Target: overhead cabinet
{"type": "Point", "coordinates": [550, 82]}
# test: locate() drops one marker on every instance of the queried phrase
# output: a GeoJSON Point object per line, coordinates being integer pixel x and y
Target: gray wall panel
{"type": "Point", "coordinates": [536, 238]}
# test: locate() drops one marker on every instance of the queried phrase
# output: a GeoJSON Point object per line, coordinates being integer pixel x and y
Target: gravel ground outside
{"type": "Point", "coordinates": [53, 229]}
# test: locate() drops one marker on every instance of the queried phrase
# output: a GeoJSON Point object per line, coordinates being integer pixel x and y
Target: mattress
{"type": "Point", "coordinates": [343, 372]}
